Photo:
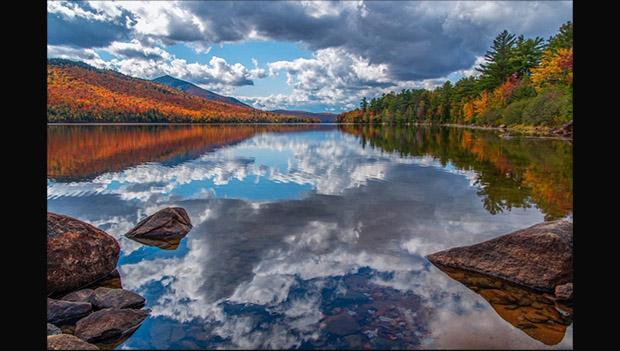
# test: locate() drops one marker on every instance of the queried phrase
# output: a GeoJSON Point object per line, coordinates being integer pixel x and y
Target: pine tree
{"type": "Point", "coordinates": [499, 64]}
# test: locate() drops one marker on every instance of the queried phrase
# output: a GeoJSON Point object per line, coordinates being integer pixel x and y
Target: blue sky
{"type": "Point", "coordinates": [308, 55]}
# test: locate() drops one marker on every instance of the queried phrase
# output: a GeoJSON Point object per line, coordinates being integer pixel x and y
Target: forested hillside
{"type": "Point", "coordinates": [77, 92]}
{"type": "Point", "coordinates": [524, 81]}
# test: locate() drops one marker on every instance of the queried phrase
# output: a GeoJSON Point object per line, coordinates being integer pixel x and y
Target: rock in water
{"type": "Point", "coordinates": [109, 324]}
{"type": "Point", "coordinates": [62, 312]}
{"type": "Point", "coordinates": [77, 253]}
{"type": "Point", "coordinates": [341, 325]}
{"type": "Point", "coordinates": [539, 257]}
{"type": "Point", "coordinates": [529, 310]}
{"type": "Point", "coordinates": [117, 298]}
{"type": "Point", "coordinates": [112, 280]}
{"type": "Point", "coordinates": [68, 342]}
{"type": "Point", "coordinates": [169, 223]}
{"type": "Point", "coordinates": [53, 330]}
{"type": "Point", "coordinates": [84, 295]}
{"type": "Point", "coordinates": [564, 292]}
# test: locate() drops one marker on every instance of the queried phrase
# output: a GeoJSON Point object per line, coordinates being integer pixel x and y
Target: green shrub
{"type": "Point", "coordinates": [512, 114]}
{"type": "Point", "coordinates": [491, 117]}
{"type": "Point", "coordinates": [523, 90]}
{"type": "Point", "coordinates": [551, 108]}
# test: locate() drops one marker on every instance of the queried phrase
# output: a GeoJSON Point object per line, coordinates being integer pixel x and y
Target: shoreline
{"type": "Point", "coordinates": [521, 131]}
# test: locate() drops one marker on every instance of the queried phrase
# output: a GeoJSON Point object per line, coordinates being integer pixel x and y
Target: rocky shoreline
{"type": "Point", "coordinates": [87, 308]}
{"type": "Point", "coordinates": [564, 132]}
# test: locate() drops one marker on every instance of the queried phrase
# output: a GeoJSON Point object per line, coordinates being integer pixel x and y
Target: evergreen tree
{"type": "Point", "coordinates": [499, 64]}
{"type": "Point", "coordinates": [562, 40]}
{"type": "Point", "coordinates": [527, 54]}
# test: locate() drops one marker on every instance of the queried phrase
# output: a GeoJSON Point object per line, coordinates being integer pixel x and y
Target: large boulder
{"type": "Point", "coordinates": [68, 342]}
{"type": "Point", "coordinates": [77, 253]}
{"type": "Point", "coordinates": [63, 312]}
{"type": "Point", "coordinates": [108, 324]}
{"type": "Point", "coordinates": [539, 257]}
{"type": "Point", "coordinates": [169, 224]}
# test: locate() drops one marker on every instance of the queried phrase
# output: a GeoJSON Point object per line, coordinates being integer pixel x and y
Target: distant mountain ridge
{"type": "Point", "coordinates": [196, 90]}
{"type": "Point", "coordinates": [325, 117]}
{"type": "Point", "coordinates": [78, 92]}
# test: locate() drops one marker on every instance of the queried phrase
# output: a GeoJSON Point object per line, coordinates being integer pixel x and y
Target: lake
{"type": "Point", "coordinates": [314, 236]}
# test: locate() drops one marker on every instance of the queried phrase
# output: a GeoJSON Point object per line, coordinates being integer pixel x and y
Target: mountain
{"type": "Point", "coordinates": [325, 117]}
{"type": "Point", "coordinates": [77, 92]}
{"type": "Point", "coordinates": [196, 90]}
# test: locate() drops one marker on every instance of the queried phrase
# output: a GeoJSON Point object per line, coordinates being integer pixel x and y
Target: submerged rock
{"type": "Point", "coordinates": [62, 312]}
{"type": "Point", "coordinates": [53, 330]}
{"type": "Point", "coordinates": [77, 253]}
{"type": "Point", "coordinates": [341, 324]}
{"type": "Point", "coordinates": [68, 342]}
{"type": "Point", "coordinates": [169, 224]}
{"type": "Point", "coordinates": [539, 257]}
{"type": "Point", "coordinates": [529, 310]}
{"type": "Point", "coordinates": [117, 298]}
{"type": "Point", "coordinates": [109, 324]}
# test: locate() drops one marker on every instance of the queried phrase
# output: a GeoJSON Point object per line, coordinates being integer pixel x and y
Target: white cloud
{"type": "Point", "coordinates": [360, 48]}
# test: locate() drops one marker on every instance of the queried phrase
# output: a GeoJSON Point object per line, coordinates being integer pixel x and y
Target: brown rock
{"type": "Point", "coordinates": [68, 342]}
{"type": "Point", "coordinates": [84, 295]}
{"type": "Point", "coordinates": [77, 253]}
{"type": "Point", "coordinates": [527, 309]}
{"type": "Point", "coordinates": [62, 312]}
{"type": "Point", "coordinates": [539, 257]}
{"type": "Point", "coordinates": [112, 280]}
{"type": "Point", "coordinates": [109, 324]}
{"type": "Point", "coordinates": [117, 298]}
{"type": "Point", "coordinates": [171, 223]}
{"type": "Point", "coordinates": [53, 330]}
{"type": "Point", "coordinates": [171, 243]}
{"type": "Point", "coordinates": [564, 292]}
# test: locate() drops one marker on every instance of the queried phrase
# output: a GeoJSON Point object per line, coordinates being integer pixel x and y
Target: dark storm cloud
{"type": "Point", "coordinates": [81, 26]}
{"type": "Point", "coordinates": [418, 40]}
{"type": "Point", "coordinates": [415, 40]}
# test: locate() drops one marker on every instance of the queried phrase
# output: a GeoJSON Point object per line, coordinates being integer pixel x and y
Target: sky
{"type": "Point", "coordinates": [319, 56]}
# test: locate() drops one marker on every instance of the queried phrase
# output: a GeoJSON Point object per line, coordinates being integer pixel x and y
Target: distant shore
{"type": "Point", "coordinates": [531, 131]}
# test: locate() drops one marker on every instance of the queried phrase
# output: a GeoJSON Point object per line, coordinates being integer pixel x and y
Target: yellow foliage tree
{"type": "Point", "coordinates": [556, 67]}
{"type": "Point", "coordinates": [481, 103]}
{"type": "Point", "coordinates": [468, 112]}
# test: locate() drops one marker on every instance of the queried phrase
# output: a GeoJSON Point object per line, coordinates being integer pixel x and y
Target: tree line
{"type": "Point", "coordinates": [523, 81]}
{"type": "Point", "coordinates": [77, 92]}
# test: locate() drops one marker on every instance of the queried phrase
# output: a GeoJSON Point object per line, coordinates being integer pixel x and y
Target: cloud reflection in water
{"type": "Point", "coordinates": [338, 235]}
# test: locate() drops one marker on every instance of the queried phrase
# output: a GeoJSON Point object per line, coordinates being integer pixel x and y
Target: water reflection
{"type": "Point", "coordinates": [304, 240]}
{"type": "Point", "coordinates": [515, 172]}
{"type": "Point", "coordinates": [81, 151]}
{"type": "Point", "coordinates": [163, 243]}
{"type": "Point", "coordinates": [537, 314]}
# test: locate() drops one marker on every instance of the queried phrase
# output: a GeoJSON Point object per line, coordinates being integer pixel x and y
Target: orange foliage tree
{"type": "Point", "coordinates": [556, 67]}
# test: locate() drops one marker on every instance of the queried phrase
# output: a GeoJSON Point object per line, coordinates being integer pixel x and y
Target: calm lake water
{"type": "Point", "coordinates": [314, 236]}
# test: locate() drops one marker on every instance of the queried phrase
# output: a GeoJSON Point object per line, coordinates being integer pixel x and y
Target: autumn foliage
{"type": "Point", "coordinates": [522, 82]}
{"type": "Point", "coordinates": [77, 92]}
{"type": "Point", "coordinates": [509, 173]}
{"type": "Point", "coordinates": [77, 152]}
{"type": "Point", "coordinates": [556, 68]}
